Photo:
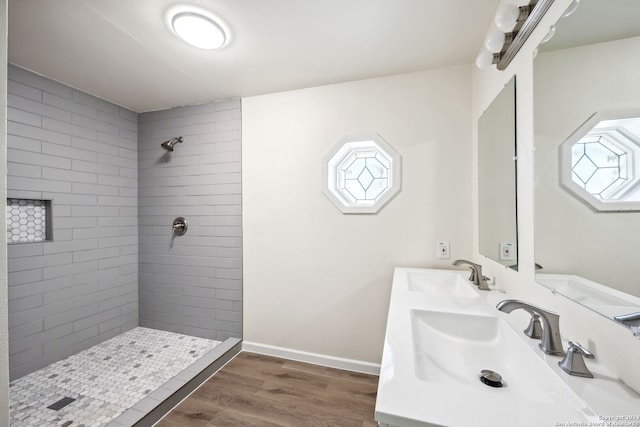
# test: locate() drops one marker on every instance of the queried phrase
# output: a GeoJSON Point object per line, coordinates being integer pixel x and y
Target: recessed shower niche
{"type": "Point", "coordinates": [28, 221]}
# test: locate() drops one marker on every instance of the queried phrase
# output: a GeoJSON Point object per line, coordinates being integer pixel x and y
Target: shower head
{"type": "Point", "coordinates": [168, 145]}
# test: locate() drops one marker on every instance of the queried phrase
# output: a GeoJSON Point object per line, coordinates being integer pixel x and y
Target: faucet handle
{"type": "Point", "coordinates": [483, 283]}
{"type": "Point", "coordinates": [534, 330]}
{"type": "Point", "coordinates": [473, 275]}
{"type": "Point", "coordinates": [573, 362]}
{"type": "Point", "coordinates": [579, 347]}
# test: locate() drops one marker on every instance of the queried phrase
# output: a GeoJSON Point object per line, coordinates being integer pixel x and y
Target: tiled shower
{"type": "Point", "coordinates": [110, 262]}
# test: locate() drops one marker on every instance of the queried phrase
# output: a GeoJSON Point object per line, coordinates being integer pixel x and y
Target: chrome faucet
{"type": "Point", "coordinates": [551, 341]}
{"type": "Point", "coordinates": [476, 277]}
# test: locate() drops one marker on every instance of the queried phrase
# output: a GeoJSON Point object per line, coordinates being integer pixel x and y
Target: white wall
{"type": "Point", "coordinates": [316, 280]}
{"type": "Point", "coordinates": [612, 344]}
{"type": "Point", "coordinates": [4, 328]}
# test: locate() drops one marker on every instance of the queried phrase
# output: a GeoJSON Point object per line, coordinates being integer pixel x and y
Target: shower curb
{"type": "Point", "coordinates": [157, 404]}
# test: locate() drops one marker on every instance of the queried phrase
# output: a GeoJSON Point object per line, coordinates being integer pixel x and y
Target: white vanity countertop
{"type": "Point", "coordinates": [424, 381]}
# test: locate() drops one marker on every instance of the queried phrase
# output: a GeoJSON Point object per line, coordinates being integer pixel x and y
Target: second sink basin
{"type": "Point", "coordinates": [440, 282]}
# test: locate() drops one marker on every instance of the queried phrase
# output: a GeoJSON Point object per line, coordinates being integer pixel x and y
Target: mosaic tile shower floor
{"type": "Point", "coordinates": [105, 380]}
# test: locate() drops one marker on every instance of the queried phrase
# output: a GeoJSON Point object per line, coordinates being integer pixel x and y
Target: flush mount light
{"type": "Point", "coordinates": [198, 30]}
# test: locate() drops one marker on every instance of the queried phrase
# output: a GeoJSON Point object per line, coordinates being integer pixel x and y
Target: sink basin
{"type": "Point", "coordinates": [441, 282]}
{"type": "Point", "coordinates": [451, 349]}
{"type": "Point", "coordinates": [455, 347]}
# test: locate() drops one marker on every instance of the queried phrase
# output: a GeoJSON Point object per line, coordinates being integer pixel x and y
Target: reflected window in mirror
{"type": "Point", "coordinates": [498, 230]}
{"type": "Point", "coordinates": [586, 95]}
{"type": "Point", "coordinates": [598, 162]}
{"type": "Point", "coordinates": [598, 166]}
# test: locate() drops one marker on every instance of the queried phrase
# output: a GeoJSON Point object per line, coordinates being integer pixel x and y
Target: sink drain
{"type": "Point", "coordinates": [490, 378]}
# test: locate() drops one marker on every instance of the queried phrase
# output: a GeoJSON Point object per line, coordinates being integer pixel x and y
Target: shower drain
{"type": "Point", "coordinates": [491, 378]}
{"type": "Point", "coordinates": [61, 403]}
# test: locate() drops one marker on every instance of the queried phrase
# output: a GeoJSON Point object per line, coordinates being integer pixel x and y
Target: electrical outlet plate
{"type": "Point", "coordinates": [443, 250]}
{"type": "Point", "coordinates": [507, 252]}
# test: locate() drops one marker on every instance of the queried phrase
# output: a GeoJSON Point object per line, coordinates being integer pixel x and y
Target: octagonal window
{"type": "Point", "coordinates": [361, 174]}
{"type": "Point", "coordinates": [598, 162]}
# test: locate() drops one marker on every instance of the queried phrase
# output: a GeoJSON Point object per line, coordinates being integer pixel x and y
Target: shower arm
{"type": "Point", "coordinates": [168, 145]}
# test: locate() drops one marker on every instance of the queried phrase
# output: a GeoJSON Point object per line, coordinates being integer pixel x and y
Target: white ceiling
{"type": "Point", "coordinates": [123, 51]}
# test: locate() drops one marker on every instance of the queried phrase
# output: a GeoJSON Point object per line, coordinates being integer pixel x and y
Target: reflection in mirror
{"type": "Point", "coordinates": [599, 162]}
{"type": "Point", "coordinates": [497, 179]}
{"type": "Point", "coordinates": [585, 79]}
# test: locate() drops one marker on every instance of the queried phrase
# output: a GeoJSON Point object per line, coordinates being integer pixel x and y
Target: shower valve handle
{"type": "Point", "coordinates": [179, 226]}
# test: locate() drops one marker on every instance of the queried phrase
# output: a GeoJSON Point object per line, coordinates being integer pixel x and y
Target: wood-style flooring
{"type": "Point", "coordinates": [265, 391]}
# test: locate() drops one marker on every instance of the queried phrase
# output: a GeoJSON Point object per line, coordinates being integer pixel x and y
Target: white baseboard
{"type": "Point", "coordinates": [314, 358]}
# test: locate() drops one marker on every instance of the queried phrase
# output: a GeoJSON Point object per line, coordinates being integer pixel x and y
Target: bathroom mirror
{"type": "Point", "coordinates": [497, 178]}
{"type": "Point", "coordinates": [585, 85]}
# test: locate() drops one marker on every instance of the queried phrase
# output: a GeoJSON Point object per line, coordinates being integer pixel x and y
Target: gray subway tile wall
{"type": "Point", "coordinates": [113, 187]}
{"type": "Point", "coordinates": [191, 284]}
{"type": "Point", "coordinates": [81, 288]}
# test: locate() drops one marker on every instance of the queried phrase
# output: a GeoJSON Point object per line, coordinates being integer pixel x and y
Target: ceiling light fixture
{"type": "Point", "coordinates": [198, 30]}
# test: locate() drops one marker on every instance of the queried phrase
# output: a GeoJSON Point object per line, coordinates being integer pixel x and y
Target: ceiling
{"type": "Point", "coordinates": [123, 51]}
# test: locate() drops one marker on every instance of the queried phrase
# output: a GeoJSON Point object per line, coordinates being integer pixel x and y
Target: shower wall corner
{"type": "Point", "coordinates": [191, 283]}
